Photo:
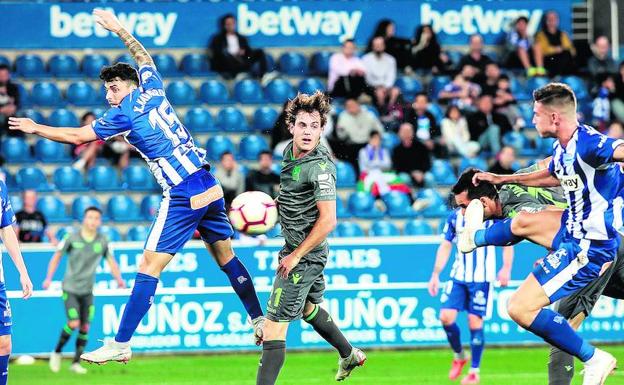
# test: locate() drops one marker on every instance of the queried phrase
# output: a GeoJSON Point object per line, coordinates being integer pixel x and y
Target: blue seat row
{"type": "Point", "coordinates": [397, 205]}
{"type": "Point", "coordinates": [135, 233]}
{"type": "Point", "coordinates": [383, 228]}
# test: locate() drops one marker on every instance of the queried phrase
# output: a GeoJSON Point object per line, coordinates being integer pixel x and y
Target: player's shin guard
{"type": "Point", "coordinates": [323, 324]}
{"type": "Point", "coordinates": [477, 344]}
{"type": "Point", "coordinates": [139, 303]}
{"type": "Point", "coordinates": [560, 367]}
{"type": "Point", "coordinates": [499, 234]}
{"type": "Point", "coordinates": [65, 335]}
{"type": "Point", "coordinates": [273, 355]}
{"type": "Point", "coordinates": [4, 369]}
{"type": "Point", "coordinates": [555, 330]}
{"type": "Point", "coordinates": [243, 286]}
{"type": "Point", "coordinates": [81, 342]}
{"type": "Point", "coordinates": [453, 336]}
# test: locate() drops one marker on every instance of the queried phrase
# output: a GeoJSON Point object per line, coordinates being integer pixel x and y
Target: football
{"type": "Point", "coordinates": [253, 212]}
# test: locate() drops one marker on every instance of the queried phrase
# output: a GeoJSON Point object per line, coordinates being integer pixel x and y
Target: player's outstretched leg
{"type": "Point", "coordinates": [473, 220]}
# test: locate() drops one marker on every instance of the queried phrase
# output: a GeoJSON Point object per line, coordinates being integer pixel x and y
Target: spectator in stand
{"type": "Point", "coordinates": [601, 105]}
{"type": "Point", "coordinates": [520, 52]}
{"type": "Point", "coordinates": [398, 47]}
{"type": "Point", "coordinates": [380, 67]}
{"type": "Point", "coordinates": [426, 51]}
{"type": "Point", "coordinates": [411, 156]}
{"type": "Point", "coordinates": [264, 178]}
{"type": "Point", "coordinates": [427, 129]}
{"type": "Point", "coordinates": [353, 129]}
{"type": "Point", "coordinates": [617, 103]}
{"type": "Point", "coordinates": [505, 103]}
{"type": "Point", "coordinates": [346, 73]}
{"type": "Point", "coordinates": [231, 53]}
{"type": "Point", "coordinates": [9, 101]}
{"type": "Point", "coordinates": [460, 92]}
{"type": "Point", "coordinates": [616, 130]}
{"type": "Point", "coordinates": [231, 178]}
{"type": "Point", "coordinates": [487, 126]}
{"type": "Point", "coordinates": [505, 160]}
{"type": "Point", "coordinates": [475, 56]}
{"type": "Point", "coordinates": [87, 153]}
{"type": "Point", "coordinates": [31, 224]}
{"type": "Point", "coordinates": [374, 160]}
{"type": "Point", "coordinates": [601, 62]}
{"type": "Point", "coordinates": [119, 152]}
{"type": "Point", "coordinates": [456, 135]}
{"type": "Point", "coordinates": [556, 46]}
{"type": "Point", "coordinates": [390, 106]}
{"type": "Point", "coordinates": [488, 81]}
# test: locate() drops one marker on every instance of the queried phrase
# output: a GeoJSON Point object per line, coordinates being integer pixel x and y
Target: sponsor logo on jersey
{"type": "Point", "coordinates": [295, 173]}
{"type": "Point", "coordinates": [572, 183]}
{"type": "Point", "coordinates": [554, 259]}
{"type": "Point", "coordinates": [479, 298]}
{"type": "Point", "coordinates": [326, 184]}
{"type": "Point", "coordinates": [296, 278]}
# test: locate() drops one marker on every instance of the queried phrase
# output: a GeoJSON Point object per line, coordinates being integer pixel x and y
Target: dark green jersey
{"type": "Point", "coordinates": [83, 258]}
{"type": "Point", "coordinates": [303, 182]}
{"type": "Point", "coordinates": [515, 198]}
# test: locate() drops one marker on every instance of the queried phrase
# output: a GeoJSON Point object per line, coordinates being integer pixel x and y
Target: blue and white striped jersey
{"type": "Point", "coordinates": [591, 183]}
{"type": "Point", "coordinates": [477, 266]}
{"type": "Point", "coordinates": [7, 217]}
{"type": "Point", "coordinates": [148, 122]}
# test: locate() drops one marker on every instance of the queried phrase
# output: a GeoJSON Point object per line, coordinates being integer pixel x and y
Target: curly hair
{"type": "Point", "coordinates": [123, 71]}
{"type": "Point", "coordinates": [318, 102]}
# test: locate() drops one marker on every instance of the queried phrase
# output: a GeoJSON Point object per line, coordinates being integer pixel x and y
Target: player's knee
{"type": "Point", "coordinates": [274, 330]}
{"type": "Point", "coordinates": [73, 324]}
{"type": "Point", "coordinates": [308, 308]}
{"type": "Point", "coordinates": [84, 327]}
{"type": "Point", "coordinates": [475, 322]}
{"type": "Point", "coordinates": [5, 345]}
{"type": "Point", "coordinates": [447, 318]}
{"type": "Point", "coordinates": [517, 310]}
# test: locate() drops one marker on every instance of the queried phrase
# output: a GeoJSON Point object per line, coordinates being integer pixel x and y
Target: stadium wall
{"type": "Point", "coordinates": [266, 23]}
{"type": "Point", "coordinates": [376, 292]}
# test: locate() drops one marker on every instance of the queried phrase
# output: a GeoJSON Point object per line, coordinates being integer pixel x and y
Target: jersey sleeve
{"type": "Point", "coordinates": [8, 216]}
{"type": "Point", "coordinates": [551, 167]}
{"type": "Point", "coordinates": [449, 231]}
{"type": "Point", "coordinates": [149, 78]}
{"type": "Point", "coordinates": [113, 123]}
{"type": "Point", "coordinates": [322, 176]}
{"type": "Point", "coordinates": [597, 149]}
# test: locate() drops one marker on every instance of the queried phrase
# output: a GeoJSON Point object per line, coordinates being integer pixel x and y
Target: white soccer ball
{"type": "Point", "coordinates": [253, 212]}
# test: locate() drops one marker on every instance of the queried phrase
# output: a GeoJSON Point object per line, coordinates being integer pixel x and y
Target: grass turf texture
{"type": "Point", "coordinates": [499, 366]}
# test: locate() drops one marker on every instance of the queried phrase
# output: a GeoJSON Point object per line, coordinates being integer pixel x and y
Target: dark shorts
{"type": "Point", "coordinates": [288, 297]}
{"type": "Point", "coordinates": [79, 307]}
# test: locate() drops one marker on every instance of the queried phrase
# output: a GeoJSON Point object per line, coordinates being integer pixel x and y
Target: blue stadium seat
{"type": "Point", "coordinates": [30, 66]}
{"type": "Point", "coordinates": [251, 145]}
{"type": "Point", "coordinates": [390, 140]}
{"type": "Point", "coordinates": [63, 117]}
{"type": "Point", "coordinates": [443, 172]}
{"type": "Point", "coordinates": [32, 178]}
{"type": "Point", "coordinates": [436, 85]}
{"type": "Point", "coordinates": [125, 58]}
{"type": "Point", "coordinates": [199, 119]}
{"type": "Point", "coordinates": [436, 110]}
{"type": "Point", "coordinates": [48, 151]}
{"type": "Point", "coordinates": [16, 150]}
{"type": "Point", "coordinates": [25, 99]}
{"type": "Point", "coordinates": [214, 92]}
{"type": "Point", "coordinates": [180, 92]}
{"type": "Point", "coordinates": [455, 57]}
{"type": "Point", "coordinates": [46, 94]}
{"type": "Point", "coordinates": [516, 140]}
{"type": "Point", "coordinates": [279, 90]}
{"type": "Point", "coordinates": [526, 111]}
{"type": "Point", "coordinates": [292, 63]}
{"type": "Point", "coordinates": [217, 145]}
{"type": "Point", "coordinates": [103, 178]}
{"type": "Point", "coordinates": [264, 118]}
{"type": "Point", "coordinates": [138, 233]}
{"type": "Point", "coordinates": [81, 203]}
{"type": "Point", "coordinates": [436, 207]}
{"type": "Point", "coordinates": [476, 162]}
{"type": "Point", "coordinates": [383, 229]}
{"type": "Point", "coordinates": [110, 232]}
{"type": "Point", "coordinates": [122, 209]}
{"type": "Point", "coordinates": [63, 66]}
{"type": "Point", "coordinates": [409, 86]}
{"type": "Point", "coordinates": [248, 91]}
{"type": "Point", "coordinates": [535, 82]}
{"type": "Point", "coordinates": [341, 210]}
{"type": "Point", "coordinates": [544, 146]}
{"type": "Point", "coordinates": [518, 89]}
{"type": "Point", "coordinates": [98, 111]}
{"type": "Point", "coordinates": [63, 231]}
{"type": "Point", "coordinates": [255, 69]}
{"type": "Point", "coordinates": [275, 232]}
{"type": "Point", "coordinates": [17, 203]}
{"type": "Point", "coordinates": [52, 209]}
{"type": "Point", "coordinates": [92, 64]}
{"type": "Point", "coordinates": [362, 204]}
{"type": "Point", "coordinates": [138, 178]}
{"type": "Point", "coordinates": [149, 206]}
{"type": "Point", "coordinates": [232, 119]}
{"type": "Point", "coordinates": [345, 174]}
{"type": "Point", "coordinates": [349, 229]}
{"type": "Point", "coordinates": [319, 63]}
{"type": "Point", "coordinates": [68, 179]}
{"type": "Point", "coordinates": [417, 227]}
{"type": "Point", "coordinates": [194, 64]}
{"type": "Point", "coordinates": [82, 94]}
{"type": "Point", "coordinates": [398, 205]}
{"type": "Point", "coordinates": [166, 64]}
{"type": "Point", "coordinates": [35, 115]}
{"type": "Point", "coordinates": [310, 86]}
{"type": "Point", "coordinates": [578, 86]}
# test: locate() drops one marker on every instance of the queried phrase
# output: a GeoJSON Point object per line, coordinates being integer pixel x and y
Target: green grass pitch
{"type": "Point", "coordinates": [517, 366]}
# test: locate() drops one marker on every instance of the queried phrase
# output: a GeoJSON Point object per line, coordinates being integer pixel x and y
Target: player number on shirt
{"type": "Point", "coordinates": [164, 118]}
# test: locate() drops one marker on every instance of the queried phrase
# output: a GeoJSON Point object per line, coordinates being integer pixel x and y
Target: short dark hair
{"type": "Point", "coordinates": [373, 134]}
{"type": "Point", "coordinates": [522, 18]}
{"type": "Point", "coordinates": [265, 152]}
{"type": "Point", "coordinates": [93, 208]}
{"type": "Point", "coordinates": [225, 17]}
{"type": "Point", "coordinates": [464, 183]}
{"type": "Point", "coordinates": [318, 102]}
{"type": "Point", "coordinates": [555, 94]}
{"type": "Point", "coordinates": [123, 71]}
{"type": "Point", "coordinates": [421, 94]}
{"type": "Point", "coordinates": [4, 67]}
{"type": "Point", "coordinates": [224, 153]}
{"type": "Point", "coordinates": [348, 41]}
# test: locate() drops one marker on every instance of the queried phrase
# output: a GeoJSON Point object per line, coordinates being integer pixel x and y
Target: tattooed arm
{"type": "Point", "coordinates": [109, 21]}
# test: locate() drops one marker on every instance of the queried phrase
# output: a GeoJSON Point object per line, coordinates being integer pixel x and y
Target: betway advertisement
{"type": "Point", "coordinates": [267, 23]}
{"type": "Point", "coordinates": [376, 293]}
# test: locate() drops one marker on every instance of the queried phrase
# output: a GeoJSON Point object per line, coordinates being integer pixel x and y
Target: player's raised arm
{"type": "Point", "coordinates": [109, 21]}
{"type": "Point", "coordinates": [540, 178]}
{"type": "Point", "coordinates": [71, 135]}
